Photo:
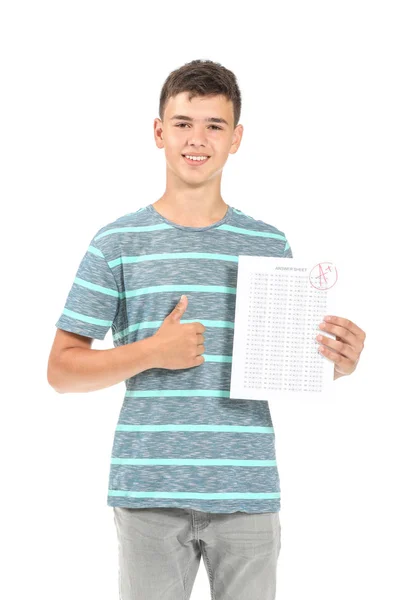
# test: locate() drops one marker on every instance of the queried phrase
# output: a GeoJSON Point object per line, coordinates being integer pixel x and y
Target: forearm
{"type": "Point", "coordinates": [337, 375]}
{"type": "Point", "coordinates": [86, 370]}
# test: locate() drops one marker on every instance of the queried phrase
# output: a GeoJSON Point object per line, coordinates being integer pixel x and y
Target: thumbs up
{"type": "Point", "coordinates": [179, 345]}
{"type": "Point", "coordinates": [179, 309]}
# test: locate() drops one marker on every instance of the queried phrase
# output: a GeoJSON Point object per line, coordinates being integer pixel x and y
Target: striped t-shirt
{"type": "Point", "coordinates": [180, 441]}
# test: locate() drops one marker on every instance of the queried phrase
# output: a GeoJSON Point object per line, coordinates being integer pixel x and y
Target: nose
{"type": "Point", "coordinates": [197, 136]}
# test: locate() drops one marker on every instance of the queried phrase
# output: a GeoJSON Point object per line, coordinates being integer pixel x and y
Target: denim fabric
{"type": "Point", "coordinates": [160, 551]}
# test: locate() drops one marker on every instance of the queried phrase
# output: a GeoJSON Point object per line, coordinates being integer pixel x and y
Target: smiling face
{"type": "Point", "coordinates": [202, 126]}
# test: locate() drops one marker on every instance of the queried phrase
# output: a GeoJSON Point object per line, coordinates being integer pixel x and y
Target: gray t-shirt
{"type": "Point", "coordinates": [180, 441]}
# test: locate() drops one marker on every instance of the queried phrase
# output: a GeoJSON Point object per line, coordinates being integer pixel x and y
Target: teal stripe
{"type": "Point", "coordinates": [179, 288]}
{"type": "Point", "coordinates": [96, 251]}
{"type": "Point", "coordinates": [162, 226]}
{"type": "Point", "coordinates": [200, 462]}
{"type": "Point", "coordinates": [267, 234]}
{"type": "Point", "coordinates": [86, 319]}
{"type": "Point", "coordinates": [95, 287]}
{"type": "Point", "coordinates": [212, 428]}
{"type": "Point", "coordinates": [172, 256]}
{"type": "Point", "coordinates": [217, 358]}
{"type": "Point", "coordinates": [134, 229]}
{"type": "Point", "coordinates": [157, 325]}
{"type": "Point", "coordinates": [156, 289]}
{"type": "Point", "coordinates": [157, 393]}
{"type": "Point", "coordinates": [198, 496]}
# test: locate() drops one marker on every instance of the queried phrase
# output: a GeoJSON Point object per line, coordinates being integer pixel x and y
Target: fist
{"type": "Point", "coordinates": [179, 346]}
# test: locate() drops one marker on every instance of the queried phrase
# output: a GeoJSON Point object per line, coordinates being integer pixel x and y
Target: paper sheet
{"type": "Point", "coordinates": [280, 303]}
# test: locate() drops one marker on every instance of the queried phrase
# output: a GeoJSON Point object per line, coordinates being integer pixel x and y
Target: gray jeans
{"type": "Point", "coordinates": [160, 551]}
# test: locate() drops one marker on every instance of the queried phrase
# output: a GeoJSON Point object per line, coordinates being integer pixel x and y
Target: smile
{"type": "Point", "coordinates": [195, 163]}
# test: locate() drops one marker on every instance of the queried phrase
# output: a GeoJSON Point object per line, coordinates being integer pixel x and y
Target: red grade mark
{"type": "Point", "coordinates": [325, 276]}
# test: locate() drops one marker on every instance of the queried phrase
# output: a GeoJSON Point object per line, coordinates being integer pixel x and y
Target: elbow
{"type": "Point", "coordinates": [55, 387]}
{"type": "Point", "coordinates": [58, 390]}
{"type": "Point", "coordinates": [52, 381]}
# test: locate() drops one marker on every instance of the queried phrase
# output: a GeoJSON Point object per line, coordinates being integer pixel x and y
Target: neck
{"type": "Point", "coordinates": [191, 211]}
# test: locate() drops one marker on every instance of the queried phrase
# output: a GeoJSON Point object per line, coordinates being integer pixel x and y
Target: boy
{"type": "Point", "coordinates": [193, 472]}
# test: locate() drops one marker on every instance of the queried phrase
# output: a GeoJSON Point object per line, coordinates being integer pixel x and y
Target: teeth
{"type": "Point", "coordinates": [196, 157]}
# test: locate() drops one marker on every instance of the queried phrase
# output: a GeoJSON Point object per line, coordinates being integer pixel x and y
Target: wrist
{"type": "Point", "coordinates": [152, 352]}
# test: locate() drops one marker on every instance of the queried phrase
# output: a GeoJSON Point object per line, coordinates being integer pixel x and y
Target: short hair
{"type": "Point", "coordinates": [202, 78]}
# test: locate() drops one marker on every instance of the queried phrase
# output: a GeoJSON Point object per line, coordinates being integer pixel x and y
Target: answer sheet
{"type": "Point", "coordinates": [280, 303]}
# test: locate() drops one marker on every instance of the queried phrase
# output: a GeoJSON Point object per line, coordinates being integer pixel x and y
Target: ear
{"type": "Point", "coordinates": [158, 133]}
{"type": "Point", "coordinates": [236, 139]}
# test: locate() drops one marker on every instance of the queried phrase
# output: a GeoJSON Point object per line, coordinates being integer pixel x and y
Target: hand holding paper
{"type": "Point", "coordinates": [346, 350]}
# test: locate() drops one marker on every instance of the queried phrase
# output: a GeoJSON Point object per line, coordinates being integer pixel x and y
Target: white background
{"type": "Point", "coordinates": [319, 160]}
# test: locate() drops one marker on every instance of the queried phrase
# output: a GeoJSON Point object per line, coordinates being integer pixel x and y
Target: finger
{"type": "Point", "coordinates": [346, 324]}
{"type": "Point", "coordinates": [344, 335]}
{"type": "Point", "coordinates": [339, 347]}
{"type": "Point", "coordinates": [346, 365]}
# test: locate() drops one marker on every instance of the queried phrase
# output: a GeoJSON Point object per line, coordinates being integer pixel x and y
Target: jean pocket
{"type": "Point", "coordinates": [250, 535]}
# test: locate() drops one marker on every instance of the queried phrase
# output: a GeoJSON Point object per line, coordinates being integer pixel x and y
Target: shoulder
{"type": "Point", "coordinates": [242, 219]}
{"type": "Point", "coordinates": [109, 236]}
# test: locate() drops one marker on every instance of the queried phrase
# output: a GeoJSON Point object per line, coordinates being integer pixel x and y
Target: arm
{"type": "Point", "coordinates": [83, 369]}
{"type": "Point", "coordinates": [337, 375]}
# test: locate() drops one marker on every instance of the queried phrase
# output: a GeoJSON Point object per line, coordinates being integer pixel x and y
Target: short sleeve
{"type": "Point", "coordinates": [287, 251]}
{"type": "Point", "coordinates": [93, 300]}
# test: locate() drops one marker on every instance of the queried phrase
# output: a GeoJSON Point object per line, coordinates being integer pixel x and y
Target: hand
{"type": "Point", "coordinates": [346, 350]}
{"type": "Point", "coordinates": [179, 345]}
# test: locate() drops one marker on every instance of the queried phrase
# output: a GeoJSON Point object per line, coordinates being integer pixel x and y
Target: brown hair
{"type": "Point", "coordinates": [202, 78]}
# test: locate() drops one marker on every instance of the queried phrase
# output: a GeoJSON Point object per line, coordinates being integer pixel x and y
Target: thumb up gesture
{"type": "Point", "coordinates": [179, 346]}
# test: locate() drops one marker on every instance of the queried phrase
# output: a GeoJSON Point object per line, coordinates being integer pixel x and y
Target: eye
{"type": "Point", "coordinates": [179, 125]}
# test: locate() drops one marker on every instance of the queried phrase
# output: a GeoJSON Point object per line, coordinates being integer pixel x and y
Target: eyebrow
{"type": "Point", "coordinates": [208, 120]}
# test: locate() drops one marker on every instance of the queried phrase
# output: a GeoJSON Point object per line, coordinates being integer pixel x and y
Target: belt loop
{"type": "Point", "coordinates": [194, 523]}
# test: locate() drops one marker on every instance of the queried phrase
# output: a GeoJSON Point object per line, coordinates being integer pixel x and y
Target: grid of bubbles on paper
{"type": "Point", "coordinates": [279, 333]}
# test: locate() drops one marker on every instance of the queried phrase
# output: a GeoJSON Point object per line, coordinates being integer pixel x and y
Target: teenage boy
{"type": "Point", "coordinates": [193, 472]}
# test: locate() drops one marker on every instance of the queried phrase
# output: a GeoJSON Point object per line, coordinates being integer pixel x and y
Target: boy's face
{"type": "Point", "coordinates": [194, 135]}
